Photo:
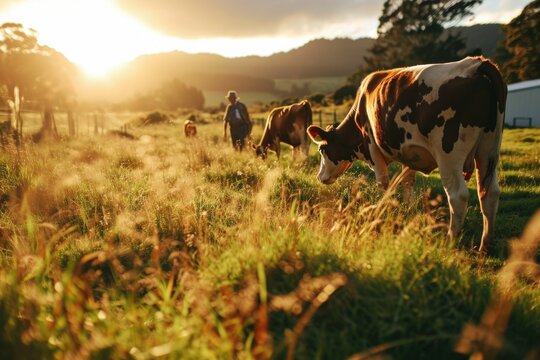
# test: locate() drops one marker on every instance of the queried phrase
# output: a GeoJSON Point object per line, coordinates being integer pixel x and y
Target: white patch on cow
{"type": "Point", "coordinates": [436, 75]}
{"type": "Point", "coordinates": [447, 114]}
{"type": "Point", "coordinates": [409, 127]}
{"type": "Point", "coordinates": [330, 171]}
{"type": "Point", "coordinates": [400, 113]}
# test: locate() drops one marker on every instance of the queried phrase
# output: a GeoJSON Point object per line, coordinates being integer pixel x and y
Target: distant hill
{"type": "Point", "coordinates": [481, 36]}
{"type": "Point", "coordinates": [316, 59]}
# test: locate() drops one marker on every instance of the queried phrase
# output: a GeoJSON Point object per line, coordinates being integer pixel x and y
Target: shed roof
{"type": "Point", "coordinates": [524, 85]}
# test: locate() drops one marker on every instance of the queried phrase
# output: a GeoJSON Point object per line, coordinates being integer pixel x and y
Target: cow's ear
{"type": "Point", "coordinates": [317, 134]}
{"type": "Point", "coordinates": [253, 146]}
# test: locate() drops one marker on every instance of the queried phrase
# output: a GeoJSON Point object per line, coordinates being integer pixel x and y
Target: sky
{"type": "Point", "coordinates": [99, 35]}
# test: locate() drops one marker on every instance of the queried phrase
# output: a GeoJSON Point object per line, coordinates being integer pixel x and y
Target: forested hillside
{"type": "Point", "coordinates": [210, 72]}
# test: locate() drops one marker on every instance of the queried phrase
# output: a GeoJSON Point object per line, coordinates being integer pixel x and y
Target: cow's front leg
{"type": "Point", "coordinates": [407, 184]}
{"type": "Point", "coordinates": [381, 168]}
{"type": "Point", "coordinates": [381, 175]}
{"type": "Point", "coordinates": [458, 196]}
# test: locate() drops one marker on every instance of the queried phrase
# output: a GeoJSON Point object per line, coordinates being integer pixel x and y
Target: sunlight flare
{"type": "Point", "coordinates": [95, 35]}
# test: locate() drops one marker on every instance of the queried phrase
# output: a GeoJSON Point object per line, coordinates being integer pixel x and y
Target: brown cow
{"type": "Point", "coordinates": [286, 124]}
{"type": "Point", "coordinates": [448, 116]}
{"type": "Point", "coordinates": [190, 130]}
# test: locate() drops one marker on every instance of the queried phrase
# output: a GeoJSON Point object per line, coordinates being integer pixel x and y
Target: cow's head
{"type": "Point", "coordinates": [336, 156]}
{"type": "Point", "coordinates": [260, 150]}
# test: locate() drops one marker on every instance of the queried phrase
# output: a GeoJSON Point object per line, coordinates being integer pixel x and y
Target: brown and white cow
{"type": "Point", "coordinates": [447, 116]}
{"type": "Point", "coordinates": [286, 124]}
{"type": "Point", "coordinates": [190, 130]}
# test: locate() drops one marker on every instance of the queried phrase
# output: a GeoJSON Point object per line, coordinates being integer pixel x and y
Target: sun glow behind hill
{"type": "Point", "coordinates": [99, 37]}
{"type": "Point", "coordinates": [95, 35]}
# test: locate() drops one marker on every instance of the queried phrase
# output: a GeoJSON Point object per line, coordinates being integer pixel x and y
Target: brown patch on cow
{"type": "Point", "coordinates": [373, 80]}
{"type": "Point", "coordinates": [284, 122]}
{"type": "Point", "coordinates": [397, 92]}
{"type": "Point", "coordinates": [469, 97]}
{"type": "Point", "coordinates": [360, 119]}
{"type": "Point", "coordinates": [474, 100]}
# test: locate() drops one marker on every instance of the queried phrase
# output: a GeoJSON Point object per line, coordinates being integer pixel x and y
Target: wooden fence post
{"type": "Point", "coordinates": [71, 123]}
{"type": "Point", "coordinates": [95, 124]}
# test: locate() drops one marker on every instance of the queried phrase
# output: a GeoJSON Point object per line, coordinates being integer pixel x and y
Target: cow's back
{"type": "Point", "coordinates": [289, 123]}
{"type": "Point", "coordinates": [434, 107]}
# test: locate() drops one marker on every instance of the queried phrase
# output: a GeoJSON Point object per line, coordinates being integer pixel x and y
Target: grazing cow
{"type": "Point", "coordinates": [286, 124]}
{"type": "Point", "coordinates": [190, 130]}
{"type": "Point", "coordinates": [447, 116]}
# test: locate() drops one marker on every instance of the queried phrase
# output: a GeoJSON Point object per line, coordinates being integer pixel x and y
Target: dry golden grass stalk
{"type": "Point", "coordinates": [485, 340]}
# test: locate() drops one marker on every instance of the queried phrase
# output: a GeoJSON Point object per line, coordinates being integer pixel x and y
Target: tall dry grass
{"type": "Point", "coordinates": [161, 246]}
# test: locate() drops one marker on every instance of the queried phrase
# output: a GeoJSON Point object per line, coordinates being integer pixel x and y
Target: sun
{"type": "Point", "coordinates": [94, 63]}
{"type": "Point", "coordinates": [99, 37]}
{"type": "Point", "coordinates": [95, 35]}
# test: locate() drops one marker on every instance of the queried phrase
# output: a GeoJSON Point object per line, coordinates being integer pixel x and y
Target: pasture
{"type": "Point", "coordinates": [322, 85]}
{"type": "Point", "coordinates": [167, 247]}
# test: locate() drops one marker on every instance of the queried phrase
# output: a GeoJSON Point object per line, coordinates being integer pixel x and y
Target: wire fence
{"type": "Point", "coordinates": [66, 122]}
{"type": "Point", "coordinates": [321, 117]}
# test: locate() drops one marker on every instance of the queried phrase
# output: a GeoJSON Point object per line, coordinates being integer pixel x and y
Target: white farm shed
{"type": "Point", "coordinates": [523, 104]}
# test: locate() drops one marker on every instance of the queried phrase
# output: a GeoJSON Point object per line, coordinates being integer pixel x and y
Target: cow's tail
{"type": "Point", "coordinates": [491, 71]}
{"type": "Point", "coordinates": [498, 95]}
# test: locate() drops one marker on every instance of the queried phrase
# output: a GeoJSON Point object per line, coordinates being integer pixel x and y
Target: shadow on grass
{"type": "Point", "coordinates": [418, 314]}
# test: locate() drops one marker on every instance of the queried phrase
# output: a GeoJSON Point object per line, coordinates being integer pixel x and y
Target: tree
{"type": "Point", "coordinates": [175, 94]}
{"type": "Point", "coordinates": [519, 53]}
{"type": "Point", "coordinates": [171, 95]}
{"type": "Point", "coordinates": [343, 93]}
{"type": "Point", "coordinates": [41, 73]}
{"type": "Point", "coordinates": [411, 32]}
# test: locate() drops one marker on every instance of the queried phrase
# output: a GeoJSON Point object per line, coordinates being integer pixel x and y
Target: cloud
{"type": "Point", "coordinates": [6, 4]}
{"type": "Point", "coordinates": [497, 11]}
{"type": "Point", "coordinates": [249, 18]}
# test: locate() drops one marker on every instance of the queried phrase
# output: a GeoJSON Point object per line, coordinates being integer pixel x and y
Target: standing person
{"type": "Point", "coordinates": [237, 116]}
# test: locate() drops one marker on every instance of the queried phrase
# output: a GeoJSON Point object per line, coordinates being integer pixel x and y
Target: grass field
{"type": "Point", "coordinates": [215, 98]}
{"type": "Point", "coordinates": [166, 247]}
{"type": "Point", "coordinates": [324, 85]}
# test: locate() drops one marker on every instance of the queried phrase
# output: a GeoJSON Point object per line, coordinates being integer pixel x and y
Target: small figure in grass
{"type": "Point", "coordinates": [190, 130]}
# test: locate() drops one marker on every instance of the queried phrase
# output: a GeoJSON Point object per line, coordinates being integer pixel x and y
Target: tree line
{"type": "Point", "coordinates": [411, 32]}
{"type": "Point", "coordinates": [171, 95]}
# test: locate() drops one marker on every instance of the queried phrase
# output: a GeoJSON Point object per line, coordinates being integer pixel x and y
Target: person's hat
{"type": "Point", "coordinates": [232, 95]}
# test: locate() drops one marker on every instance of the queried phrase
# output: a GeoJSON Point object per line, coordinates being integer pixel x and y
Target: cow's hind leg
{"type": "Point", "coordinates": [488, 194]}
{"type": "Point", "coordinates": [295, 153]}
{"type": "Point", "coordinates": [305, 145]}
{"type": "Point", "coordinates": [458, 196]}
